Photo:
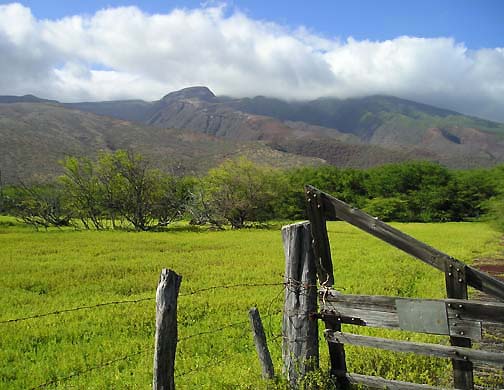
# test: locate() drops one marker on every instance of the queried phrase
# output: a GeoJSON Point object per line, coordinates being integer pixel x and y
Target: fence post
{"type": "Point", "coordinates": [300, 349]}
{"type": "Point", "coordinates": [166, 330]}
{"type": "Point", "coordinates": [260, 344]}
{"type": "Point", "coordinates": [456, 287]}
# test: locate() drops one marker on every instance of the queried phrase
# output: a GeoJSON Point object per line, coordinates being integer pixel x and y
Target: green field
{"type": "Point", "coordinates": [46, 271]}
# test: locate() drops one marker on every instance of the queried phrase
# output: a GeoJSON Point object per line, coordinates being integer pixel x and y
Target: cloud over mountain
{"type": "Point", "coordinates": [123, 53]}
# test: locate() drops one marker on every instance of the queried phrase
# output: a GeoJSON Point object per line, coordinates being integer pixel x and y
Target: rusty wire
{"type": "Point", "coordinates": [89, 369]}
{"type": "Point", "coordinates": [128, 301]}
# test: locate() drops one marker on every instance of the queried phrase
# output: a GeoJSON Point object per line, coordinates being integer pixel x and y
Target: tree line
{"type": "Point", "coordinates": [123, 190]}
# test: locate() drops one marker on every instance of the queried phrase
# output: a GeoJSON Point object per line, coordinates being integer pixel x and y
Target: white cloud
{"type": "Point", "coordinates": [125, 53]}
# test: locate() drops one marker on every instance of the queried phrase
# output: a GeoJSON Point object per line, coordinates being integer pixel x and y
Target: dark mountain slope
{"type": "Point", "coordinates": [352, 132]}
{"type": "Point", "coordinates": [36, 136]}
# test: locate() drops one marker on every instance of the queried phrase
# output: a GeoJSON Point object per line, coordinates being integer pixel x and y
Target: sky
{"type": "Point", "coordinates": [446, 53]}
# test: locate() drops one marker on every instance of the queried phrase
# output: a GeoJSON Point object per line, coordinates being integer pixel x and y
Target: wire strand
{"type": "Point", "coordinates": [113, 303]}
{"type": "Point", "coordinates": [89, 369]}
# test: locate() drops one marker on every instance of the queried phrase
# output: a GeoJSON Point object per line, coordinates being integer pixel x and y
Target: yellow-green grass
{"type": "Point", "coordinates": [46, 271]}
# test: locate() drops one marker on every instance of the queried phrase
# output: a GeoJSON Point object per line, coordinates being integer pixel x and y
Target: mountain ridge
{"type": "Point", "coordinates": [358, 132]}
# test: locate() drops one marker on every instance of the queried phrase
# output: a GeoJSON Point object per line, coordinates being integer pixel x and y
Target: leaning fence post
{"type": "Point", "coordinates": [166, 330]}
{"type": "Point", "coordinates": [260, 344]}
{"type": "Point", "coordinates": [300, 351]}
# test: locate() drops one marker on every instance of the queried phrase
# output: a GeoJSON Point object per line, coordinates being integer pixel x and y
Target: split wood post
{"type": "Point", "coordinates": [260, 344]}
{"type": "Point", "coordinates": [300, 348]}
{"type": "Point", "coordinates": [322, 250]}
{"type": "Point", "coordinates": [166, 330]}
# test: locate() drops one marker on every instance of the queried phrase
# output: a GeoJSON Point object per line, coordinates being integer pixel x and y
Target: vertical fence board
{"type": "Point", "coordinates": [322, 250]}
{"type": "Point", "coordinates": [320, 243]}
{"type": "Point", "coordinates": [456, 287]}
{"type": "Point", "coordinates": [299, 327]}
{"type": "Point", "coordinates": [166, 330]}
{"type": "Point", "coordinates": [260, 344]}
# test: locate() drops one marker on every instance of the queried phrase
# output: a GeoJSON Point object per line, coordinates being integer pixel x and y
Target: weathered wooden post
{"type": "Point", "coordinates": [260, 344]}
{"type": "Point", "coordinates": [322, 250]}
{"type": "Point", "coordinates": [300, 349]}
{"type": "Point", "coordinates": [166, 330]}
{"type": "Point", "coordinates": [456, 287]}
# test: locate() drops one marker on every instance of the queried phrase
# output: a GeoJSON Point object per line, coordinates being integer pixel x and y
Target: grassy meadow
{"type": "Point", "coordinates": [59, 269]}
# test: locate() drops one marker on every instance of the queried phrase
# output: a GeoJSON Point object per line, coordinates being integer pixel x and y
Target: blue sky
{"type": "Point", "coordinates": [477, 23]}
{"type": "Point", "coordinates": [447, 53]}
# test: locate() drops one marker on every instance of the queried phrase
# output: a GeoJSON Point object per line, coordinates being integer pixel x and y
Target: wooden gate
{"type": "Point", "coordinates": [456, 316]}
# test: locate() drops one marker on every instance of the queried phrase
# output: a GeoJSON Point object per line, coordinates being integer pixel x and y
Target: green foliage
{"type": "Point", "coordinates": [240, 191]}
{"type": "Point", "coordinates": [122, 189]}
{"type": "Point", "coordinates": [40, 205]}
{"type": "Point", "coordinates": [83, 191]}
{"type": "Point", "coordinates": [389, 209]}
{"type": "Point", "coordinates": [123, 185]}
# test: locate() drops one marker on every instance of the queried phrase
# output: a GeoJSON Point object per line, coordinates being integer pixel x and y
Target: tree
{"type": "Point", "coordinates": [40, 205]}
{"type": "Point", "coordinates": [172, 200]}
{"type": "Point", "coordinates": [201, 208]}
{"type": "Point", "coordinates": [138, 188]}
{"type": "Point", "coordinates": [241, 191]}
{"type": "Point", "coordinates": [83, 191]}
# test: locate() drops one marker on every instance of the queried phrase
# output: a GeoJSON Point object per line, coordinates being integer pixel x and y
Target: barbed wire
{"type": "Point", "coordinates": [89, 369]}
{"type": "Point", "coordinates": [129, 301]}
{"type": "Point", "coordinates": [205, 289]}
{"type": "Point", "coordinates": [207, 332]}
{"type": "Point", "coordinates": [201, 368]}
{"type": "Point", "coordinates": [87, 307]}
{"type": "Point", "coordinates": [122, 358]}
{"type": "Point", "coordinates": [290, 285]}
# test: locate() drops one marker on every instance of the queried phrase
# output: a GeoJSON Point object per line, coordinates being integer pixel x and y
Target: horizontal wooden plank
{"type": "Point", "coordinates": [337, 209]}
{"type": "Point", "coordinates": [462, 309]}
{"type": "Point", "coordinates": [376, 382]}
{"type": "Point", "coordinates": [465, 317]}
{"type": "Point", "coordinates": [443, 351]}
{"type": "Point", "coordinates": [488, 312]}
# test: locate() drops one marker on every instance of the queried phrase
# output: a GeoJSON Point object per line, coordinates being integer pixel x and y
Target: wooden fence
{"type": "Point", "coordinates": [310, 297]}
{"type": "Point", "coordinates": [457, 317]}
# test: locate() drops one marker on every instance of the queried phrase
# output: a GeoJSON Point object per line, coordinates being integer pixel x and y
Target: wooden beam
{"type": "Point", "coordinates": [472, 310]}
{"type": "Point", "coordinates": [320, 240]}
{"type": "Point", "coordinates": [380, 383]}
{"type": "Point", "coordinates": [336, 209]}
{"type": "Point", "coordinates": [450, 352]}
{"type": "Point", "coordinates": [381, 312]}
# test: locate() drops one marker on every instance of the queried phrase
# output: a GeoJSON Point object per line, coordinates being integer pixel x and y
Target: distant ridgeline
{"type": "Point", "coordinates": [192, 130]}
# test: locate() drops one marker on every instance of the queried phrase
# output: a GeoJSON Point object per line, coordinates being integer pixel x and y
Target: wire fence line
{"type": "Point", "coordinates": [87, 307]}
{"type": "Point", "coordinates": [89, 369]}
{"type": "Point", "coordinates": [109, 363]}
{"type": "Point", "coordinates": [129, 301]}
{"type": "Point", "coordinates": [290, 285]}
{"type": "Point", "coordinates": [213, 363]}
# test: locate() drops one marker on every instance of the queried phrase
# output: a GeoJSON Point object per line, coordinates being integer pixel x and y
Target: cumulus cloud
{"type": "Point", "coordinates": [123, 52]}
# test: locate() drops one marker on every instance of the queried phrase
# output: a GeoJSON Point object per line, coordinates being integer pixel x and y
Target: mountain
{"type": "Point", "coordinates": [388, 127]}
{"type": "Point", "coordinates": [24, 99]}
{"type": "Point", "coordinates": [36, 136]}
{"type": "Point", "coordinates": [192, 130]}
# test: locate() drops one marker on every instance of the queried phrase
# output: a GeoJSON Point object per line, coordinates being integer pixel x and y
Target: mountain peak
{"type": "Point", "coordinates": [24, 99]}
{"type": "Point", "coordinates": [199, 92]}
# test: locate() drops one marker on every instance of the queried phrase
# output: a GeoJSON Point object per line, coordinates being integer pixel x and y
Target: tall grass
{"type": "Point", "coordinates": [59, 269]}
